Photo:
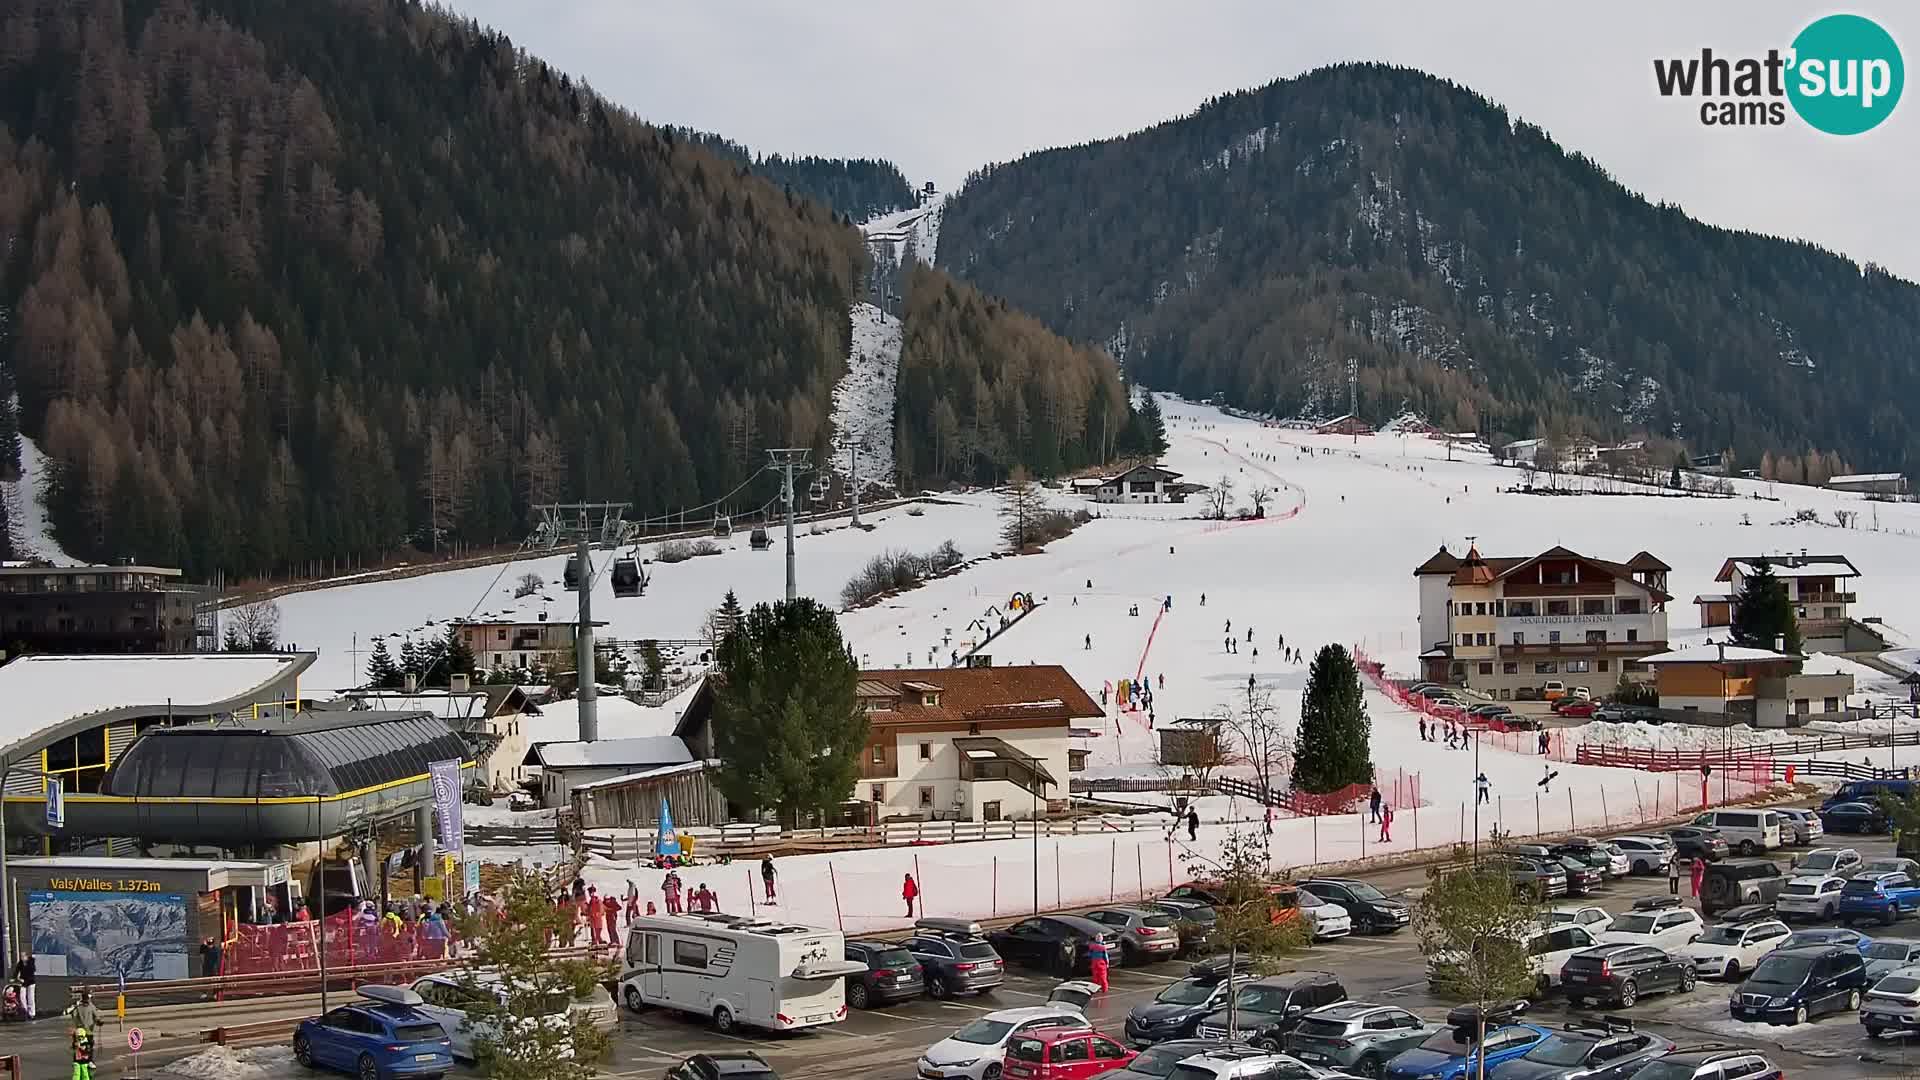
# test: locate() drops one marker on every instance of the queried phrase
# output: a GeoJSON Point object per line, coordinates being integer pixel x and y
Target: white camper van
{"type": "Point", "coordinates": [778, 976]}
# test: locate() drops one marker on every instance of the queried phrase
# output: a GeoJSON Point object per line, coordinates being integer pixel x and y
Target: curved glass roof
{"type": "Point", "coordinates": [310, 756]}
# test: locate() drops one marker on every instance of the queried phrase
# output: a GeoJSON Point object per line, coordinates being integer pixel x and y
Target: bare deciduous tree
{"type": "Point", "coordinates": [1260, 737]}
{"type": "Point", "coordinates": [1220, 498]}
{"type": "Point", "coordinates": [252, 627]}
{"type": "Point", "coordinates": [1260, 495]}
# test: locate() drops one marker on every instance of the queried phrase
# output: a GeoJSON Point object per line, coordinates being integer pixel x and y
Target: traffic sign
{"type": "Point", "coordinates": [135, 1039]}
{"type": "Point", "coordinates": [56, 804]}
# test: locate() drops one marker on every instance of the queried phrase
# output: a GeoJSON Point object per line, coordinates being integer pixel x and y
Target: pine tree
{"type": "Point", "coordinates": [411, 662]}
{"type": "Point", "coordinates": [458, 655]}
{"type": "Point", "coordinates": [1762, 612]}
{"type": "Point", "coordinates": [726, 617]}
{"type": "Point", "coordinates": [382, 672]}
{"type": "Point", "coordinates": [1153, 426]}
{"type": "Point", "coordinates": [786, 726]}
{"type": "Point", "coordinates": [1334, 748]}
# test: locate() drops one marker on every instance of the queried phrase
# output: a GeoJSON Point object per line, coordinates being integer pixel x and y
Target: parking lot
{"type": "Point", "coordinates": [884, 1043]}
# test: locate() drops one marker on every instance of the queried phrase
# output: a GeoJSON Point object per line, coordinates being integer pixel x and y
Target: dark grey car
{"type": "Point", "coordinates": [1358, 1036]}
{"type": "Point", "coordinates": [956, 958]}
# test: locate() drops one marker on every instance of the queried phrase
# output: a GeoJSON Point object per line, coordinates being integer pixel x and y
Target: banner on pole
{"type": "Point", "coordinates": [667, 841]}
{"type": "Point", "coordinates": [446, 803]}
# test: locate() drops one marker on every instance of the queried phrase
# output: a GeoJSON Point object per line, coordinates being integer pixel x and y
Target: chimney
{"type": "Point", "coordinates": [459, 682]}
{"type": "Point", "coordinates": [412, 683]}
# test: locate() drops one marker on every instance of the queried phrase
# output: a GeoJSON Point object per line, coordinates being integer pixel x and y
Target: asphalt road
{"type": "Point", "coordinates": [883, 1043]}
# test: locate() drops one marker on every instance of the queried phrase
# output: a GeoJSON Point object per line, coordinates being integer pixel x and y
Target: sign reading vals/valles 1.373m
{"type": "Point", "coordinates": [89, 884]}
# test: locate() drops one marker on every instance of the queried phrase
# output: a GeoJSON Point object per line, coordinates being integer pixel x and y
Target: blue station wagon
{"type": "Point", "coordinates": [384, 1037]}
{"type": "Point", "coordinates": [1880, 896]}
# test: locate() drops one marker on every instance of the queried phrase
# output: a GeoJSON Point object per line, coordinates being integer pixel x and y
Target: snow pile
{"type": "Point", "coordinates": [1907, 659]}
{"type": "Point", "coordinates": [224, 1063]}
{"type": "Point", "coordinates": [27, 509]}
{"type": "Point", "coordinates": [619, 718]}
{"type": "Point", "coordinates": [863, 400]}
{"type": "Point", "coordinates": [1668, 736]}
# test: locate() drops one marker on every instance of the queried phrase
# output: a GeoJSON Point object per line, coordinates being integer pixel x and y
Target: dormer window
{"type": "Point", "coordinates": [930, 700]}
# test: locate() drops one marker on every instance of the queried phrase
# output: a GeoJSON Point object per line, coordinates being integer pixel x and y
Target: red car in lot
{"type": "Point", "coordinates": [1579, 708]}
{"type": "Point", "coordinates": [1063, 1053]}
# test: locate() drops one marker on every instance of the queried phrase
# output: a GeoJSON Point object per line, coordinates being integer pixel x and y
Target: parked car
{"type": "Point", "coordinates": [1693, 841]}
{"type": "Point", "coordinates": [1646, 854]}
{"type": "Point", "coordinates": [1805, 824]}
{"type": "Point", "coordinates": [1729, 950]}
{"type": "Point", "coordinates": [1794, 985]}
{"type": "Point", "coordinates": [1840, 862]}
{"type": "Point", "coordinates": [955, 957]}
{"type": "Point", "coordinates": [1909, 867]}
{"type": "Point", "coordinates": [1285, 905]}
{"type": "Point", "coordinates": [1828, 935]}
{"type": "Point", "coordinates": [454, 1004]}
{"type": "Point", "coordinates": [1854, 817]}
{"type": "Point", "coordinates": [1661, 921]}
{"type": "Point", "coordinates": [1144, 934]}
{"type": "Point", "coordinates": [1176, 1011]}
{"type": "Point", "coordinates": [383, 1035]}
{"type": "Point", "coordinates": [1231, 1062]}
{"type": "Point", "coordinates": [1554, 690]}
{"type": "Point", "coordinates": [1882, 896]}
{"type": "Point", "coordinates": [1810, 898]}
{"type": "Point", "coordinates": [1749, 832]}
{"type": "Point", "coordinates": [1602, 856]}
{"type": "Point", "coordinates": [1604, 1049]}
{"type": "Point", "coordinates": [1539, 877]}
{"type": "Point", "coordinates": [1888, 955]}
{"type": "Point", "coordinates": [1734, 883]}
{"type": "Point", "coordinates": [1868, 792]}
{"type": "Point", "coordinates": [1623, 714]}
{"type": "Point", "coordinates": [723, 1065]}
{"type": "Point", "coordinates": [1452, 1054]}
{"type": "Point", "coordinates": [1051, 942]}
{"type": "Point", "coordinates": [1717, 1062]}
{"type": "Point", "coordinates": [1618, 974]}
{"type": "Point", "coordinates": [1577, 708]}
{"type": "Point", "coordinates": [1157, 1062]}
{"type": "Point", "coordinates": [892, 974]}
{"type": "Point", "coordinates": [1490, 711]}
{"type": "Point", "coordinates": [1581, 878]}
{"type": "Point", "coordinates": [1071, 1052]}
{"type": "Point", "coordinates": [1893, 1002]}
{"type": "Point", "coordinates": [1548, 950]}
{"type": "Point", "coordinates": [1357, 1036]}
{"type": "Point", "coordinates": [1592, 918]}
{"type": "Point", "coordinates": [977, 1051]}
{"type": "Point", "coordinates": [1192, 921]}
{"type": "Point", "coordinates": [1372, 911]}
{"type": "Point", "coordinates": [1266, 1010]}
{"type": "Point", "coordinates": [1327, 920]}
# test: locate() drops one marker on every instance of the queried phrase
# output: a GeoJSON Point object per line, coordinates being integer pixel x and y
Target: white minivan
{"type": "Point", "coordinates": [1748, 832]}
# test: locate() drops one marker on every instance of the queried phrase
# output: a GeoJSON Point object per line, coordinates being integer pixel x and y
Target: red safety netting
{"type": "Point", "coordinates": [351, 942]}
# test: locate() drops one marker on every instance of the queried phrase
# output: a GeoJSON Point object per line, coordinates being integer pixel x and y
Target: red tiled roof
{"type": "Point", "coordinates": [1044, 693]}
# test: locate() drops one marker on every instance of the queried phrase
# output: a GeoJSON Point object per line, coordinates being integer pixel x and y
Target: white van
{"type": "Point", "coordinates": [734, 970]}
{"type": "Point", "coordinates": [1745, 831]}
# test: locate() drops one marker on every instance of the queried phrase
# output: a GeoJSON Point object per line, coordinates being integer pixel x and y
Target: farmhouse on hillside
{"type": "Point", "coordinates": [1140, 484]}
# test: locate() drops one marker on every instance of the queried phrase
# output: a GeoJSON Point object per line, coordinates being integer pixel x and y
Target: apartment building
{"type": "Point", "coordinates": [1508, 626]}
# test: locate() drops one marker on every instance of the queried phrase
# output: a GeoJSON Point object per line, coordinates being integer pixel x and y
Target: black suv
{"type": "Point", "coordinates": [1176, 1011]}
{"type": "Point", "coordinates": [892, 974]}
{"type": "Point", "coordinates": [1266, 1010]}
{"type": "Point", "coordinates": [723, 1065]}
{"type": "Point", "coordinates": [1710, 1063]}
{"type": "Point", "coordinates": [1373, 911]}
{"type": "Point", "coordinates": [1621, 973]}
{"type": "Point", "coordinates": [1734, 882]}
{"type": "Point", "coordinates": [1606, 1049]}
{"type": "Point", "coordinates": [956, 957]}
{"type": "Point", "coordinates": [1791, 986]}
{"type": "Point", "coordinates": [1055, 943]}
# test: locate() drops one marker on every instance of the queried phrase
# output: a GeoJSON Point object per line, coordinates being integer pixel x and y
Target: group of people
{"type": "Point", "coordinates": [1457, 735]}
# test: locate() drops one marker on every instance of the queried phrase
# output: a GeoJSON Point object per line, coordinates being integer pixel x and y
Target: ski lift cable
{"type": "Point", "coordinates": [710, 505]}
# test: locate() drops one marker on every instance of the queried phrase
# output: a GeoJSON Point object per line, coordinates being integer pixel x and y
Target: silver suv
{"type": "Point", "coordinates": [1246, 1063]}
{"type": "Point", "coordinates": [1144, 933]}
{"type": "Point", "coordinates": [1357, 1035]}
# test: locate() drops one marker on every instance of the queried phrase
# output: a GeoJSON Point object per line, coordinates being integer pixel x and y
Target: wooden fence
{"type": "Point", "coordinates": [631, 844]}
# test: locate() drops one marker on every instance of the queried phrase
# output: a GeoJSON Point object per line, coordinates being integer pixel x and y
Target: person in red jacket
{"type": "Point", "coordinates": [909, 892]}
{"type": "Point", "coordinates": [610, 907]}
{"type": "Point", "coordinates": [1699, 874]}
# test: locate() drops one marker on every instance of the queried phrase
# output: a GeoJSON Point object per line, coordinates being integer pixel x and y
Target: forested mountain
{"type": "Point", "coordinates": [983, 388]}
{"type": "Point", "coordinates": [856, 188]}
{"type": "Point", "coordinates": [288, 282]}
{"type": "Point", "coordinates": [1474, 269]}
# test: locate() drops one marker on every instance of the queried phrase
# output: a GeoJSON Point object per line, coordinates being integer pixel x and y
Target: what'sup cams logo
{"type": "Point", "coordinates": [1842, 75]}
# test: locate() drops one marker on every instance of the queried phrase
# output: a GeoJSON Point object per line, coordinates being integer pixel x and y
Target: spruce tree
{"type": "Point", "coordinates": [787, 728]}
{"type": "Point", "coordinates": [1763, 613]}
{"type": "Point", "coordinates": [411, 662]}
{"type": "Point", "coordinates": [382, 672]}
{"type": "Point", "coordinates": [1334, 748]}
{"type": "Point", "coordinates": [728, 616]}
{"type": "Point", "coordinates": [458, 655]}
{"type": "Point", "coordinates": [1153, 427]}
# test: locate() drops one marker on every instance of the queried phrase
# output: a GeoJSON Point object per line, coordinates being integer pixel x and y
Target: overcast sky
{"type": "Point", "coordinates": [943, 89]}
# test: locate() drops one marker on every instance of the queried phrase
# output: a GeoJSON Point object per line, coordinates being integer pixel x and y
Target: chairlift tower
{"type": "Point", "coordinates": [586, 524]}
{"type": "Point", "coordinates": [789, 460]}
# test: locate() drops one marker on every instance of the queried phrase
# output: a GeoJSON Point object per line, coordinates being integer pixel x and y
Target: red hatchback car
{"type": "Point", "coordinates": [1063, 1053]}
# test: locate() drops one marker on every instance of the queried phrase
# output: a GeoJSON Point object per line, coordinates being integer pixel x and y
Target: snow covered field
{"type": "Point", "coordinates": [863, 399]}
{"type": "Point", "coordinates": [1331, 563]}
